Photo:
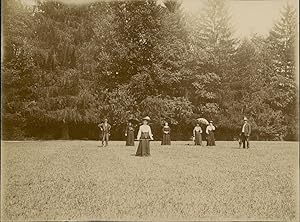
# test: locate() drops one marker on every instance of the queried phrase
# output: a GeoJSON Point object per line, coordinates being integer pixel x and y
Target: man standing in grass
{"type": "Point", "coordinates": [246, 131]}
{"type": "Point", "coordinates": [105, 129]}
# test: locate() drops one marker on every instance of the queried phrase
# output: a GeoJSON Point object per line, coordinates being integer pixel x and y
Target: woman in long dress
{"type": "Point", "coordinates": [210, 134]}
{"type": "Point", "coordinates": [129, 135]}
{"type": "Point", "coordinates": [166, 140]}
{"type": "Point", "coordinates": [197, 135]}
{"type": "Point", "coordinates": [144, 136]}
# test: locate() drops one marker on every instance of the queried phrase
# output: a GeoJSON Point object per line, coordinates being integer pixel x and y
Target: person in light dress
{"type": "Point", "coordinates": [197, 135]}
{"type": "Point", "coordinates": [144, 136]}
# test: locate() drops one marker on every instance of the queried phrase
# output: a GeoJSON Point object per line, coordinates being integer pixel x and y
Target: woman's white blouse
{"type": "Point", "coordinates": [209, 128]}
{"type": "Point", "coordinates": [197, 129]}
{"type": "Point", "coordinates": [144, 129]}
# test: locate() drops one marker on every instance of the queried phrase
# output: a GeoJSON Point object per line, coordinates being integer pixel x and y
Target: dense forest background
{"type": "Point", "coordinates": [67, 67]}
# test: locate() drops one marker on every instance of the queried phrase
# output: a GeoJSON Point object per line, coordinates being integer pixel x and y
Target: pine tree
{"type": "Point", "coordinates": [213, 47]}
{"type": "Point", "coordinates": [248, 89]}
{"type": "Point", "coordinates": [171, 52]}
{"type": "Point", "coordinates": [214, 34]}
{"type": "Point", "coordinates": [66, 92]}
{"type": "Point", "coordinates": [283, 89]}
{"type": "Point", "coordinates": [282, 42]}
{"type": "Point", "coordinates": [18, 70]}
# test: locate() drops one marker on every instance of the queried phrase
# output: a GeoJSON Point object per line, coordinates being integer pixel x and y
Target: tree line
{"type": "Point", "coordinates": [67, 67]}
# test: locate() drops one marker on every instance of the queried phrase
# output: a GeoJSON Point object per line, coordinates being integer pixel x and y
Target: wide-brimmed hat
{"type": "Point", "coordinates": [147, 118]}
{"type": "Point", "coordinates": [245, 118]}
{"type": "Point", "coordinates": [211, 121]}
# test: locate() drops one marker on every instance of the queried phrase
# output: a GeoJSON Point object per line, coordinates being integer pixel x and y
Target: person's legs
{"type": "Point", "coordinates": [247, 139]}
{"type": "Point", "coordinates": [106, 139]}
{"type": "Point", "coordinates": [244, 140]}
{"type": "Point", "coordinates": [213, 140]}
{"type": "Point", "coordinates": [103, 138]}
{"type": "Point", "coordinates": [200, 139]}
{"type": "Point", "coordinates": [208, 140]}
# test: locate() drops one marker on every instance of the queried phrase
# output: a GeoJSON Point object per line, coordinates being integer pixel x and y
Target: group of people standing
{"type": "Point", "coordinates": [210, 138]}
{"type": "Point", "coordinates": [145, 135]}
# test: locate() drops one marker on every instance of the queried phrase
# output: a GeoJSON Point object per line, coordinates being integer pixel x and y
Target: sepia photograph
{"type": "Point", "coordinates": [149, 110]}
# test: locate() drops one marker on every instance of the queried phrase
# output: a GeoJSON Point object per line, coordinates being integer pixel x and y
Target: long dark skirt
{"type": "Point", "coordinates": [166, 140]}
{"type": "Point", "coordinates": [143, 148]}
{"type": "Point", "coordinates": [211, 139]}
{"type": "Point", "coordinates": [130, 138]}
{"type": "Point", "coordinates": [198, 139]}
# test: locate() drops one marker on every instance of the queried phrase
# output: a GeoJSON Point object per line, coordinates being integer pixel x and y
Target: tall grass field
{"type": "Point", "coordinates": [80, 180]}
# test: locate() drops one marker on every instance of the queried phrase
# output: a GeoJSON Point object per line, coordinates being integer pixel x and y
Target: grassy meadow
{"type": "Point", "coordinates": [79, 180]}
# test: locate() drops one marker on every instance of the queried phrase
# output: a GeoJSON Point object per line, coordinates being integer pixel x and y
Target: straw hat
{"type": "Point", "coordinates": [245, 118]}
{"type": "Point", "coordinates": [146, 118]}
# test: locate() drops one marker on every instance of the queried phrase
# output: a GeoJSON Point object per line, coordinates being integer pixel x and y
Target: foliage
{"type": "Point", "coordinates": [67, 67]}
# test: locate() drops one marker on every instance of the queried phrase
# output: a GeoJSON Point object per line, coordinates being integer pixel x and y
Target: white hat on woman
{"type": "Point", "coordinates": [146, 118]}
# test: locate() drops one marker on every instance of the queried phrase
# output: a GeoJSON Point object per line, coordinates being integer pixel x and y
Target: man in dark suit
{"type": "Point", "coordinates": [105, 129]}
{"type": "Point", "coordinates": [246, 131]}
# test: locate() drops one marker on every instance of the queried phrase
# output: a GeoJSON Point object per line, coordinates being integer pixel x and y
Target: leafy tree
{"type": "Point", "coordinates": [66, 67]}
{"type": "Point", "coordinates": [177, 111]}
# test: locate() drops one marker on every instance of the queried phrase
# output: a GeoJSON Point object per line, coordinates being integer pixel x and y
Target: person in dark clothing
{"type": "Point", "coordinates": [105, 130]}
{"type": "Point", "coordinates": [166, 140]}
{"type": "Point", "coordinates": [210, 134]}
{"type": "Point", "coordinates": [129, 134]}
{"type": "Point", "coordinates": [246, 131]}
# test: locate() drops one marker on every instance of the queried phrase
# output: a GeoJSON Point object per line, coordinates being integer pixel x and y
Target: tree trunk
{"type": "Point", "coordinates": [65, 132]}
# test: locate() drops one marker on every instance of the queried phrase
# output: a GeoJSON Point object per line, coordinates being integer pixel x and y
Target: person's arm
{"type": "Point", "coordinates": [200, 130]}
{"type": "Point", "coordinates": [150, 133]}
{"type": "Point", "coordinates": [139, 134]}
{"type": "Point", "coordinates": [194, 132]}
{"type": "Point", "coordinates": [249, 130]}
{"type": "Point", "coordinates": [207, 130]}
{"type": "Point", "coordinates": [126, 130]}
